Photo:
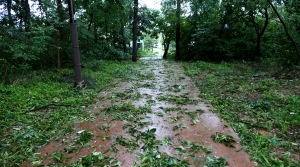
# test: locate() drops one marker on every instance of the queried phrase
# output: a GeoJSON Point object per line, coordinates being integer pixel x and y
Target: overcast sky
{"type": "Point", "coordinates": [154, 4]}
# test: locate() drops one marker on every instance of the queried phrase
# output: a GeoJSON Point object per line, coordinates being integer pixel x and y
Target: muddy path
{"type": "Point", "coordinates": [154, 117]}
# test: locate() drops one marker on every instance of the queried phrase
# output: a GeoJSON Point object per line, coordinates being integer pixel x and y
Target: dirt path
{"type": "Point", "coordinates": [154, 117]}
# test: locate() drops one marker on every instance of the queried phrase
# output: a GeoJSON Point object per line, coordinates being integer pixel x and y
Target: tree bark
{"type": "Point", "coordinates": [57, 32]}
{"type": "Point", "coordinates": [135, 28]}
{"type": "Point", "coordinates": [166, 48]}
{"type": "Point", "coordinates": [285, 29]}
{"type": "Point", "coordinates": [27, 15]}
{"type": "Point", "coordinates": [178, 30]}
{"type": "Point", "coordinates": [124, 38]}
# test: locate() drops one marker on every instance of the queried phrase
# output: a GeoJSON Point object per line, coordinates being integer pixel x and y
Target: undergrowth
{"type": "Point", "coordinates": [263, 108]}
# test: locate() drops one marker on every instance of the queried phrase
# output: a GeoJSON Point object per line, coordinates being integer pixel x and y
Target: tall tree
{"type": "Point", "coordinates": [178, 13]}
{"type": "Point", "coordinates": [58, 30]}
{"type": "Point", "coordinates": [27, 15]}
{"type": "Point", "coordinates": [135, 31]}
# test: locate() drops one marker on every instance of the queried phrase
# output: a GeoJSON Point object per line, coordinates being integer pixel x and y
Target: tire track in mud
{"type": "Point", "coordinates": [155, 115]}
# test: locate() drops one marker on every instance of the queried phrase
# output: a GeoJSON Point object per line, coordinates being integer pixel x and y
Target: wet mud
{"type": "Point", "coordinates": [173, 98]}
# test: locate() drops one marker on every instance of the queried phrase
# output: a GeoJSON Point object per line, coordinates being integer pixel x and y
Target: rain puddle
{"type": "Point", "coordinates": [154, 115]}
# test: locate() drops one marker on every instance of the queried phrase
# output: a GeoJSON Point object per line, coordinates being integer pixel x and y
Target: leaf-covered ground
{"type": "Point", "coordinates": [151, 117]}
{"type": "Point", "coordinates": [261, 104]}
{"type": "Point", "coordinates": [24, 129]}
{"type": "Point", "coordinates": [151, 113]}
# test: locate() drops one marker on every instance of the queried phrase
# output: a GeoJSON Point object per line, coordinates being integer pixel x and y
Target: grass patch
{"type": "Point", "coordinates": [252, 100]}
{"type": "Point", "coordinates": [146, 53]}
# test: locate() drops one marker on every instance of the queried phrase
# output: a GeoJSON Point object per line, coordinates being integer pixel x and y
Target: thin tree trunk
{"type": "Point", "coordinates": [262, 31]}
{"type": "Point", "coordinates": [135, 28]}
{"type": "Point", "coordinates": [166, 48]}
{"type": "Point", "coordinates": [56, 33]}
{"type": "Point", "coordinates": [178, 31]}
{"type": "Point", "coordinates": [10, 20]}
{"type": "Point", "coordinates": [21, 14]}
{"type": "Point", "coordinates": [285, 29]}
{"type": "Point", "coordinates": [259, 34]}
{"type": "Point", "coordinates": [91, 21]}
{"type": "Point", "coordinates": [106, 31]}
{"type": "Point", "coordinates": [27, 16]}
{"type": "Point", "coordinates": [124, 38]}
{"type": "Point", "coordinates": [89, 28]}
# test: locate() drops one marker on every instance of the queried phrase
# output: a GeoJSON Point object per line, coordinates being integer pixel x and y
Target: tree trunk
{"type": "Point", "coordinates": [262, 31]}
{"type": "Point", "coordinates": [166, 48]}
{"type": "Point", "coordinates": [91, 21]}
{"type": "Point", "coordinates": [57, 32]}
{"type": "Point", "coordinates": [21, 16]}
{"type": "Point", "coordinates": [106, 31]}
{"type": "Point", "coordinates": [285, 29]}
{"type": "Point", "coordinates": [124, 38]}
{"type": "Point", "coordinates": [259, 34]}
{"type": "Point", "coordinates": [178, 31]}
{"type": "Point", "coordinates": [27, 16]}
{"type": "Point", "coordinates": [89, 28]}
{"type": "Point", "coordinates": [10, 20]}
{"type": "Point", "coordinates": [135, 29]}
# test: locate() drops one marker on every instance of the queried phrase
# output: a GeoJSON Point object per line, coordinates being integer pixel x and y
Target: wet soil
{"type": "Point", "coordinates": [177, 114]}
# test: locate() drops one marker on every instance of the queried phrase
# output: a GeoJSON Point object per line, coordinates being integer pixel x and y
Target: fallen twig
{"type": "Point", "coordinates": [47, 106]}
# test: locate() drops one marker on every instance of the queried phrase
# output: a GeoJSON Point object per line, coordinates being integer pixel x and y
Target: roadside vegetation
{"type": "Point", "coordinates": [260, 102]}
{"type": "Point", "coordinates": [146, 53]}
{"type": "Point", "coordinates": [41, 106]}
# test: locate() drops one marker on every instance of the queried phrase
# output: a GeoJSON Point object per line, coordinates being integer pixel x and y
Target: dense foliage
{"type": "Point", "coordinates": [35, 34]}
{"type": "Point", "coordinates": [237, 30]}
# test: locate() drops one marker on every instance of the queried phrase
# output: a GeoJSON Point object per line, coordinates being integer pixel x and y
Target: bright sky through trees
{"type": "Point", "coordinates": [154, 4]}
